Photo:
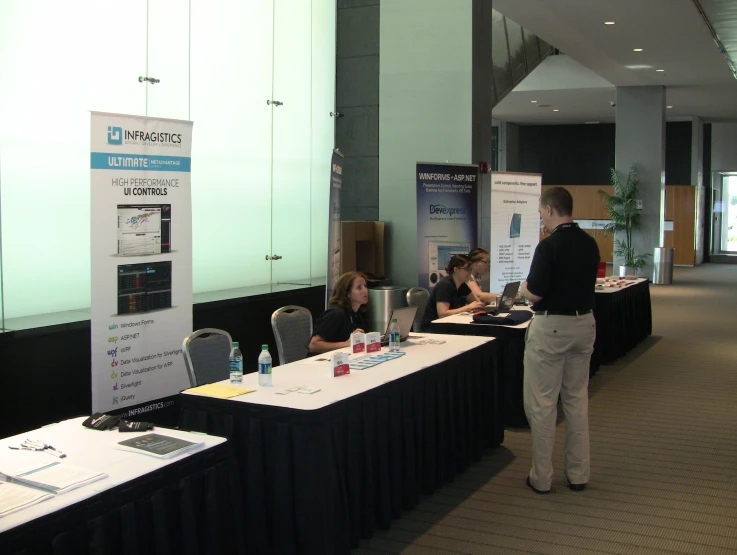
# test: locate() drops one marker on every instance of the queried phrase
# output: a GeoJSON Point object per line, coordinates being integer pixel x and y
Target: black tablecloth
{"type": "Point", "coordinates": [317, 481]}
{"type": "Point", "coordinates": [510, 361]}
{"type": "Point", "coordinates": [623, 319]}
{"type": "Point", "coordinates": [186, 507]}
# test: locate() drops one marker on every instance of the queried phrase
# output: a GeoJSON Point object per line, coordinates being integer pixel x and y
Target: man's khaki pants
{"type": "Point", "coordinates": [557, 354]}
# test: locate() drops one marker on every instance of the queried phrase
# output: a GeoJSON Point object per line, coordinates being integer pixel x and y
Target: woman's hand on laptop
{"type": "Point", "coordinates": [475, 305]}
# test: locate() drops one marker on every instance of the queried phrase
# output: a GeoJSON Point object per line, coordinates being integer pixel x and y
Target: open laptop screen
{"type": "Point", "coordinates": [508, 296]}
{"type": "Point", "coordinates": [405, 318]}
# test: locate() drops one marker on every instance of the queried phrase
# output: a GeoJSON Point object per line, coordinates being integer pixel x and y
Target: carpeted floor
{"type": "Point", "coordinates": [663, 426]}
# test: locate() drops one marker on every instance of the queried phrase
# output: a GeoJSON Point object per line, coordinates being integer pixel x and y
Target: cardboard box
{"type": "Point", "coordinates": [362, 248]}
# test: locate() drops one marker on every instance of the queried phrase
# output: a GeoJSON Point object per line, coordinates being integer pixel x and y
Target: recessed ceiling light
{"type": "Point", "coordinates": [660, 70]}
{"type": "Point", "coordinates": [533, 101]}
{"type": "Point", "coordinates": [637, 50]}
{"type": "Point", "coordinates": [639, 66]}
{"type": "Point", "coordinates": [556, 110]}
{"type": "Point", "coordinates": [669, 106]}
{"type": "Point", "coordinates": [609, 23]}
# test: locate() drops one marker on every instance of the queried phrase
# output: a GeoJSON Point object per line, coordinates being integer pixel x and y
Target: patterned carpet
{"type": "Point", "coordinates": [663, 426]}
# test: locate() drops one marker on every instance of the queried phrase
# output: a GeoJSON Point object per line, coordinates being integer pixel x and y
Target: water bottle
{"type": "Point", "coordinates": [264, 367]}
{"type": "Point", "coordinates": [236, 364]}
{"type": "Point", "coordinates": [394, 335]}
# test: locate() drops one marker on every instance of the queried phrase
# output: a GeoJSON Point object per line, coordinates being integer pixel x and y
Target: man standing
{"type": "Point", "coordinates": [560, 341]}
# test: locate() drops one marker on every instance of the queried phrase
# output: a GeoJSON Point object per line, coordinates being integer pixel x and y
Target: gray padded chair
{"type": "Point", "coordinates": [418, 296]}
{"type": "Point", "coordinates": [292, 327]}
{"type": "Point", "coordinates": [206, 356]}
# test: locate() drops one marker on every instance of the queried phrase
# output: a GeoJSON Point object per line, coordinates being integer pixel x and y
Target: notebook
{"type": "Point", "coordinates": [405, 318]}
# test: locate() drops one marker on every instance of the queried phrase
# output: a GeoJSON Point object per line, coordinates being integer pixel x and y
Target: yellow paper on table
{"type": "Point", "coordinates": [220, 390]}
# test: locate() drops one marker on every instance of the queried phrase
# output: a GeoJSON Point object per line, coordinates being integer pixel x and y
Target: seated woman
{"type": "Point", "coordinates": [480, 263]}
{"type": "Point", "coordinates": [343, 317]}
{"type": "Point", "coordinates": [451, 295]}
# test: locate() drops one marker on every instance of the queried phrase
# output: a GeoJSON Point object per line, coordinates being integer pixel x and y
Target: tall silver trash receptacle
{"type": "Point", "coordinates": [663, 265]}
{"type": "Point", "coordinates": [382, 301]}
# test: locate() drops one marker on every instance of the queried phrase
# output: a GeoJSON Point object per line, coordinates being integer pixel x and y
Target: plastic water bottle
{"type": "Point", "coordinates": [264, 367]}
{"type": "Point", "coordinates": [394, 335]}
{"type": "Point", "coordinates": [236, 364]}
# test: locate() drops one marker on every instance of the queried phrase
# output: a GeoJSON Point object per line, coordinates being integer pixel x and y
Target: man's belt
{"type": "Point", "coordinates": [561, 312]}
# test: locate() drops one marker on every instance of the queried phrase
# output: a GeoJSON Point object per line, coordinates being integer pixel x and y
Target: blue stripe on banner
{"type": "Point", "coordinates": [142, 162]}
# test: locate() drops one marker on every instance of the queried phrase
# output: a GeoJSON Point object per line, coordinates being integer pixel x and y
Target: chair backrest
{"type": "Point", "coordinates": [206, 356]}
{"type": "Point", "coordinates": [418, 296]}
{"type": "Point", "coordinates": [292, 327]}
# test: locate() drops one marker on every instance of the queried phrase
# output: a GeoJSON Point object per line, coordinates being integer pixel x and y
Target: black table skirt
{"type": "Point", "coordinates": [623, 319]}
{"type": "Point", "coordinates": [188, 507]}
{"type": "Point", "coordinates": [317, 481]}
{"type": "Point", "coordinates": [510, 361]}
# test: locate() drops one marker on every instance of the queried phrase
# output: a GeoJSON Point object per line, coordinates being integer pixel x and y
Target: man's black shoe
{"type": "Point", "coordinates": [576, 487]}
{"type": "Point", "coordinates": [533, 488]}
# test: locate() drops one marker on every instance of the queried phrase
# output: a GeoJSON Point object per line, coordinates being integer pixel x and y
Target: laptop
{"type": "Point", "coordinates": [405, 318]}
{"type": "Point", "coordinates": [507, 299]}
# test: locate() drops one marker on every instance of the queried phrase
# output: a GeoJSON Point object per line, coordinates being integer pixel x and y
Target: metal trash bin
{"type": "Point", "coordinates": [663, 265]}
{"type": "Point", "coordinates": [382, 301]}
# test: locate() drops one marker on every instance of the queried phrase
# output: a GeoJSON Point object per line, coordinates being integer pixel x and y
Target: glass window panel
{"type": "Point", "coordinates": [532, 49]}
{"type": "Point", "coordinates": [168, 59]}
{"type": "Point", "coordinates": [55, 66]}
{"type": "Point", "coordinates": [500, 55]}
{"type": "Point", "coordinates": [323, 127]}
{"type": "Point", "coordinates": [291, 188]}
{"type": "Point", "coordinates": [516, 51]}
{"type": "Point", "coordinates": [231, 63]}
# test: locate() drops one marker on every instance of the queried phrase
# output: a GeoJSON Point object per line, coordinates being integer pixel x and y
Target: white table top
{"type": "Point", "coordinates": [467, 318]}
{"type": "Point", "coordinates": [315, 372]}
{"type": "Point", "coordinates": [612, 284]}
{"type": "Point", "coordinates": [93, 450]}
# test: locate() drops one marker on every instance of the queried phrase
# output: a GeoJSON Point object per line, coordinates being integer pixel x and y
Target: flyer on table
{"type": "Point", "coordinates": [141, 222]}
{"type": "Point", "coordinates": [447, 214]}
{"type": "Point", "coordinates": [515, 226]}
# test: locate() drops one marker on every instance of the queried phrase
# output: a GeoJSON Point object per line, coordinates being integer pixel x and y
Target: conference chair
{"type": "Point", "coordinates": [292, 327]}
{"type": "Point", "coordinates": [206, 356]}
{"type": "Point", "coordinates": [418, 296]}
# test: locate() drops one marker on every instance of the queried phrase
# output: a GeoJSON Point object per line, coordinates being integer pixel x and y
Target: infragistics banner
{"type": "Point", "coordinates": [515, 226]}
{"type": "Point", "coordinates": [336, 183]}
{"type": "Point", "coordinates": [141, 215]}
{"type": "Point", "coordinates": [447, 205]}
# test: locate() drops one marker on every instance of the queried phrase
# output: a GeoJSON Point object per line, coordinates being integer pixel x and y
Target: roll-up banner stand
{"type": "Point", "coordinates": [515, 226]}
{"type": "Point", "coordinates": [447, 205]}
{"type": "Point", "coordinates": [336, 184]}
{"type": "Point", "coordinates": [141, 221]}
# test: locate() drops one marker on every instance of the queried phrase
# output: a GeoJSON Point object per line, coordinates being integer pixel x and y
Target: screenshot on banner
{"type": "Point", "coordinates": [144, 287]}
{"type": "Point", "coordinates": [440, 253]}
{"type": "Point", "coordinates": [144, 229]}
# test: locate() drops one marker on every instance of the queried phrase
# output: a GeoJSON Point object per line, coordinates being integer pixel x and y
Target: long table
{"type": "Point", "coordinates": [623, 319]}
{"type": "Point", "coordinates": [144, 506]}
{"type": "Point", "coordinates": [325, 469]}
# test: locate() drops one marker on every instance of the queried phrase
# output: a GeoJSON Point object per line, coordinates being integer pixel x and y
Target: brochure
{"type": "Point", "coordinates": [159, 446]}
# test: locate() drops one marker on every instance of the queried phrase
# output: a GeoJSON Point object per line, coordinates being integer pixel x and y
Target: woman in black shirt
{"type": "Point", "coordinates": [451, 295]}
{"type": "Point", "coordinates": [343, 317]}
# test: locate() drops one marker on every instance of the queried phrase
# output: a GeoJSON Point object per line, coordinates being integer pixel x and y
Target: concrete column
{"type": "Point", "coordinates": [640, 139]}
{"type": "Point", "coordinates": [425, 94]}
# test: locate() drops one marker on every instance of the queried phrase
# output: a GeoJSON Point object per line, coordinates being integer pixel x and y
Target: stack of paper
{"type": "Point", "coordinates": [14, 498]}
{"type": "Point", "coordinates": [54, 477]}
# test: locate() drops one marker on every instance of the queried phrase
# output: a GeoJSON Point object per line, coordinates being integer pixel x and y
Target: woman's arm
{"type": "Point", "coordinates": [318, 345]}
{"type": "Point", "coordinates": [477, 294]}
{"type": "Point", "coordinates": [445, 310]}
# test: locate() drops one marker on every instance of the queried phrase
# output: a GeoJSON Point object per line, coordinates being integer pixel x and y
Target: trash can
{"type": "Point", "coordinates": [382, 301]}
{"type": "Point", "coordinates": [663, 265]}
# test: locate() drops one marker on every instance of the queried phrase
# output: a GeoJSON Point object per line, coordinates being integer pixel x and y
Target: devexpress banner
{"type": "Point", "coordinates": [336, 184]}
{"type": "Point", "coordinates": [447, 204]}
{"type": "Point", "coordinates": [141, 216]}
{"type": "Point", "coordinates": [515, 226]}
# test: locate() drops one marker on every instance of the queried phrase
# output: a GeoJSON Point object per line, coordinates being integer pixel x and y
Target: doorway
{"type": "Point", "coordinates": [724, 213]}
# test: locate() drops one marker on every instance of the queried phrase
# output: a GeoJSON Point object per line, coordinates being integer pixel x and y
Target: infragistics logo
{"type": "Point", "coordinates": [114, 135]}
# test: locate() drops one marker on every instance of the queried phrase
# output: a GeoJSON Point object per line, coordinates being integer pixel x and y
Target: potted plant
{"type": "Point", "coordinates": [625, 218]}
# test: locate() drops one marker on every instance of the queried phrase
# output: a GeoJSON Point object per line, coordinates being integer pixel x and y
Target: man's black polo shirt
{"type": "Point", "coordinates": [563, 270]}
